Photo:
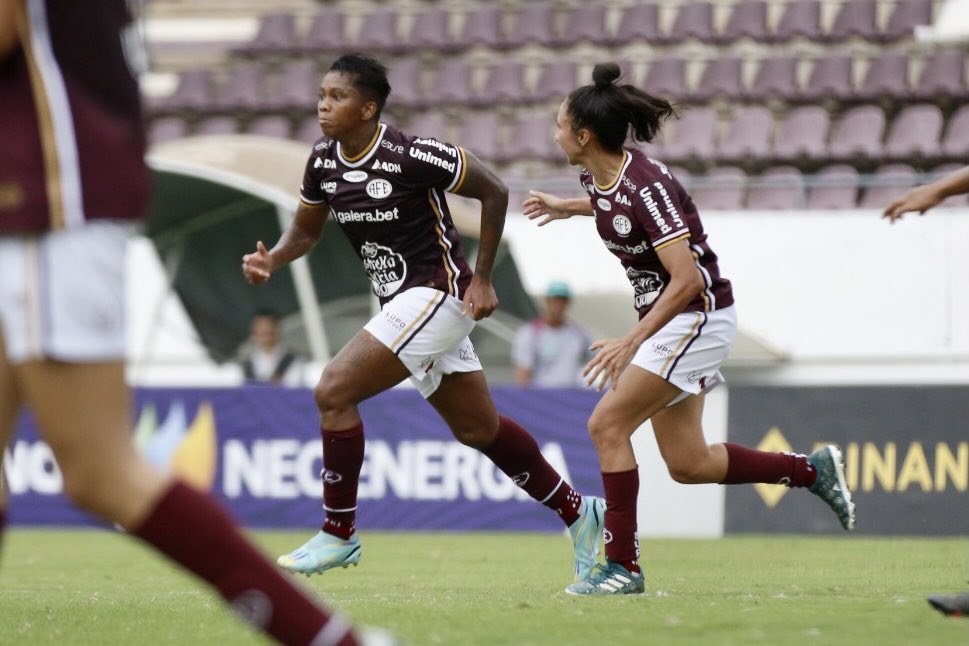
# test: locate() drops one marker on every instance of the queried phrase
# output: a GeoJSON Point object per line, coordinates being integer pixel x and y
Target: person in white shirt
{"type": "Point", "coordinates": [550, 351]}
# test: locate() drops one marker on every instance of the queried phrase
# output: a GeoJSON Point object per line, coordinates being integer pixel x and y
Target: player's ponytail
{"type": "Point", "coordinates": [611, 110]}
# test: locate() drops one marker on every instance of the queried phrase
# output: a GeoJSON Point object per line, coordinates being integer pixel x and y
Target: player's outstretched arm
{"type": "Point", "coordinates": [482, 184]}
{"type": "Point", "coordinates": [296, 241]}
{"type": "Point", "coordinates": [552, 207]}
{"type": "Point", "coordinates": [923, 198]}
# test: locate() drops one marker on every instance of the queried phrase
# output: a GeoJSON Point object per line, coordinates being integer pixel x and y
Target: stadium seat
{"type": "Point", "coordinates": [801, 19]}
{"type": "Point", "coordinates": [803, 133]}
{"type": "Point", "coordinates": [908, 15]}
{"type": "Point", "coordinates": [722, 188]}
{"type": "Point", "coordinates": [504, 84]}
{"type": "Point", "coordinates": [481, 134]}
{"type": "Point", "coordinates": [327, 33]}
{"type": "Point", "coordinates": [585, 23]}
{"type": "Point", "coordinates": [270, 126]}
{"type": "Point", "coordinates": [481, 27]}
{"type": "Point", "coordinates": [296, 86]}
{"type": "Point", "coordinates": [167, 129]}
{"type": "Point", "coordinates": [244, 89]}
{"type": "Point", "coordinates": [747, 135]}
{"type": "Point", "coordinates": [748, 19]}
{"type": "Point", "coordinates": [943, 75]}
{"type": "Point", "coordinates": [429, 31]}
{"type": "Point", "coordinates": [833, 187]}
{"type": "Point", "coordinates": [888, 183]}
{"type": "Point", "coordinates": [855, 19]}
{"type": "Point", "coordinates": [531, 137]}
{"type": "Point", "coordinates": [195, 91]}
{"type": "Point", "coordinates": [915, 131]}
{"type": "Point", "coordinates": [955, 143]}
{"type": "Point", "coordinates": [776, 78]}
{"type": "Point", "coordinates": [276, 33]}
{"type": "Point", "coordinates": [858, 133]}
{"type": "Point", "coordinates": [532, 26]}
{"type": "Point", "coordinates": [555, 81]}
{"type": "Point", "coordinates": [217, 126]}
{"type": "Point", "coordinates": [831, 78]}
{"type": "Point", "coordinates": [693, 20]}
{"type": "Point", "coordinates": [887, 76]}
{"type": "Point", "coordinates": [722, 77]}
{"type": "Point", "coordinates": [666, 77]}
{"type": "Point", "coordinates": [452, 82]}
{"type": "Point", "coordinates": [778, 188]}
{"type": "Point", "coordinates": [637, 22]}
{"type": "Point", "coordinates": [379, 32]}
{"type": "Point", "coordinates": [430, 124]}
{"type": "Point", "coordinates": [692, 136]}
{"type": "Point", "coordinates": [406, 89]}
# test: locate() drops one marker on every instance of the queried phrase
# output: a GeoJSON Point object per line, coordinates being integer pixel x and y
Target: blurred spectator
{"type": "Point", "coordinates": [551, 350]}
{"type": "Point", "coordinates": [268, 361]}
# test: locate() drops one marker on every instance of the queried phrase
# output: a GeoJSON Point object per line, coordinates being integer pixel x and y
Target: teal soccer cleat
{"type": "Point", "coordinates": [610, 578]}
{"type": "Point", "coordinates": [321, 553]}
{"type": "Point", "coordinates": [585, 533]}
{"type": "Point", "coordinates": [830, 485]}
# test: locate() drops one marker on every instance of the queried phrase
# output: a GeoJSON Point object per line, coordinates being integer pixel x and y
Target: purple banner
{"type": "Point", "coordinates": [258, 451]}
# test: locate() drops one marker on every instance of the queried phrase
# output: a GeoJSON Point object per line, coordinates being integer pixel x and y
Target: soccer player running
{"type": "Point", "coordinates": [73, 183]}
{"type": "Point", "coordinates": [386, 191]}
{"type": "Point", "coordinates": [661, 369]}
{"type": "Point", "coordinates": [920, 199]}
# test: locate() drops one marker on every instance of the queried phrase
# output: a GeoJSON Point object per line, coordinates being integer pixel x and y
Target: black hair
{"type": "Point", "coordinates": [266, 312]}
{"type": "Point", "coordinates": [368, 75]}
{"type": "Point", "coordinates": [611, 110]}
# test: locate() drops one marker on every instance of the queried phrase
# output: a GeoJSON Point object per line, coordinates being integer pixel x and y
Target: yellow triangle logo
{"type": "Point", "coordinates": [775, 442]}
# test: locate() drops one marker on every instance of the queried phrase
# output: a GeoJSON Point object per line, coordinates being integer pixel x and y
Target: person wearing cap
{"type": "Point", "coordinates": [549, 351]}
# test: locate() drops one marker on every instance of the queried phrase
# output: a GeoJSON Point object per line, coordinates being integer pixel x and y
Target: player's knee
{"type": "Point", "coordinates": [474, 435]}
{"type": "Point", "coordinates": [331, 392]}
{"type": "Point", "coordinates": [603, 431]}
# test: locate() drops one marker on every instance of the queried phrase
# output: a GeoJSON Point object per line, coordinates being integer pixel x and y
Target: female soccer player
{"type": "Point", "coordinates": [386, 190]}
{"type": "Point", "coordinates": [661, 369]}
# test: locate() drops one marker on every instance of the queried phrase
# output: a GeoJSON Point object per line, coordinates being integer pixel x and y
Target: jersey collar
{"type": "Point", "coordinates": [614, 184]}
{"type": "Point", "coordinates": [367, 153]}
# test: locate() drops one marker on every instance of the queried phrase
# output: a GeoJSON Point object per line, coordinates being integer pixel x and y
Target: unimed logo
{"type": "Point", "coordinates": [890, 467]}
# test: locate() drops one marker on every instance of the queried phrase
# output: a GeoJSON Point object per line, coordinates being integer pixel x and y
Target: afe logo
{"type": "Point", "coordinates": [604, 204]}
{"type": "Point", "coordinates": [378, 189]}
{"type": "Point", "coordinates": [355, 175]}
{"type": "Point", "coordinates": [622, 225]}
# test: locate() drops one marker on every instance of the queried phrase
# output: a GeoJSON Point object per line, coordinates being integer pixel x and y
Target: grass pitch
{"type": "Point", "coordinates": [87, 587]}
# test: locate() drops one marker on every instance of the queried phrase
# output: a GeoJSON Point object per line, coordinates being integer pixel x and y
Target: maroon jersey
{"type": "Point", "coordinates": [643, 210]}
{"type": "Point", "coordinates": [389, 200]}
{"type": "Point", "coordinates": [70, 120]}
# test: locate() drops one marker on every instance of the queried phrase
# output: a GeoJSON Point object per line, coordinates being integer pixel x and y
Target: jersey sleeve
{"type": "Point", "coordinates": [310, 191]}
{"type": "Point", "coordinates": [436, 164]}
{"type": "Point", "coordinates": [659, 210]}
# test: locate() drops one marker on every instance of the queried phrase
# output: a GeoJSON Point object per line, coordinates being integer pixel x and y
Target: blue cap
{"type": "Point", "coordinates": [558, 289]}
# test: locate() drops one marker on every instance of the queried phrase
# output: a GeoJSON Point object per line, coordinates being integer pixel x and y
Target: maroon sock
{"type": "Point", "coordinates": [516, 453]}
{"type": "Point", "coordinates": [622, 545]}
{"type": "Point", "coordinates": [193, 531]}
{"type": "Point", "coordinates": [750, 465]}
{"type": "Point", "coordinates": [342, 461]}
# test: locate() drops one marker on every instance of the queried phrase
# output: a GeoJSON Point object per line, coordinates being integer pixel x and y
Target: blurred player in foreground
{"type": "Point", "coordinates": [73, 183]}
{"type": "Point", "coordinates": [920, 200]}
{"type": "Point", "coordinates": [386, 191]}
{"type": "Point", "coordinates": [662, 368]}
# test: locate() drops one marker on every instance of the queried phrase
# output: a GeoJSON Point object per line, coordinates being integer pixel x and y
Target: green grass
{"type": "Point", "coordinates": [59, 587]}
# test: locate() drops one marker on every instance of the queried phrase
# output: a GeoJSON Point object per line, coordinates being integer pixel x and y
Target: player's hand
{"type": "Point", "coordinates": [545, 206]}
{"type": "Point", "coordinates": [610, 362]}
{"type": "Point", "coordinates": [480, 300]}
{"type": "Point", "coordinates": [258, 266]}
{"type": "Point", "coordinates": [919, 199]}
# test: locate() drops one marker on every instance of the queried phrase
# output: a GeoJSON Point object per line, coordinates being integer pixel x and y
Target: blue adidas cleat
{"type": "Point", "coordinates": [610, 578]}
{"type": "Point", "coordinates": [585, 533]}
{"type": "Point", "coordinates": [321, 553]}
{"type": "Point", "coordinates": [830, 485]}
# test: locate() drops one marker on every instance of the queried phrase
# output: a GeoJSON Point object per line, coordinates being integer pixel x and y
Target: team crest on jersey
{"type": "Point", "coordinates": [646, 284]}
{"type": "Point", "coordinates": [378, 189]}
{"type": "Point", "coordinates": [389, 167]}
{"type": "Point", "coordinates": [355, 175]}
{"type": "Point", "coordinates": [386, 268]}
{"type": "Point", "coordinates": [622, 225]}
{"type": "Point", "coordinates": [622, 199]}
{"type": "Point", "coordinates": [604, 204]}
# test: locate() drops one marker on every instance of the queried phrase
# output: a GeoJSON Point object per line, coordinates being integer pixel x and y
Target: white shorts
{"type": "Point", "coordinates": [689, 350]}
{"type": "Point", "coordinates": [62, 294]}
{"type": "Point", "coordinates": [424, 327]}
